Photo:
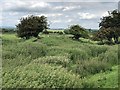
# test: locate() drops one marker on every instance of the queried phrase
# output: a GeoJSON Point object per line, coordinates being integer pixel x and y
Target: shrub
{"type": "Point", "coordinates": [77, 31]}
{"type": "Point", "coordinates": [85, 68]}
{"type": "Point", "coordinates": [60, 33]}
{"type": "Point", "coordinates": [40, 76]}
{"type": "Point", "coordinates": [66, 31]}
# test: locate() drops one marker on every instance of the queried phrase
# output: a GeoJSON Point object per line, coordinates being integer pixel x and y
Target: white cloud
{"type": "Point", "coordinates": [13, 4]}
{"type": "Point", "coordinates": [1, 18]}
{"type": "Point", "coordinates": [56, 21]}
{"type": "Point", "coordinates": [86, 15]}
{"type": "Point", "coordinates": [66, 16]}
{"type": "Point", "coordinates": [40, 4]}
{"type": "Point", "coordinates": [68, 8]}
{"type": "Point", "coordinates": [25, 16]}
{"type": "Point", "coordinates": [13, 13]}
{"type": "Point", "coordinates": [69, 20]}
{"type": "Point", "coordinates": [52, 15]}
{"type": "Point", "coordinates": [58, 7]}
{"type": "Point", "coordinates": [105, 14]}
{"type": "Point", "coordinates": [22, 6]}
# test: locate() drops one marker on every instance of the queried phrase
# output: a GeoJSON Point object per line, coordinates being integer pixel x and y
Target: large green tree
{"type": "Point", "coordinates": [77, 31]}
{"type": "Point", "coordinates": [31, 26]}
{"type": "Point", "coordinates": [110, 26]}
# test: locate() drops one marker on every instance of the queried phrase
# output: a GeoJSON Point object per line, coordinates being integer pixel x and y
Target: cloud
{"type": "Point", "coordinates": [60, 14]}
{"type": "Point", "coordinates": [25, 6]}
{"type": "Point", "coordinates": [86, 15]}
{"type": "Point", "coordinates": [13, 13]}
{"type": "Point", "coordinates": [58, 8]}
{"type": "Point", "coordinates": [69, 20]}
{"type": "Point", "coordinates": [39, 5]}
{"type": "Point", "coordinates": [89, 0]}
{"type": "Point", "coordinates": [52, 15]}
{"type": "Point", "coordinates": [56, 21]}
{"type": "Point", "coordinates": [69, 8]}
{"type": "Point", "coordinates": [105, 14]}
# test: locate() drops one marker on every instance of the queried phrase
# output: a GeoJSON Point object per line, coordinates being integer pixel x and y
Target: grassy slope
{"type": "Point", "coordinates": [108, 79]}
{"type": "Point", "coordinates": [54, 53]}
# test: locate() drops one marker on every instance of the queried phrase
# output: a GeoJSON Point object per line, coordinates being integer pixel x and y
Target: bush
{"type": "Point", "coordinates": [85, 68]}
{"type": "Point", "coordinates": [66, 31]}
{"type": "Point", "coordinates": [78, 31]}
{"type": "Point", "coordinates": [60, 33]}
{"type": "Point", "coordinates": [40, 76]}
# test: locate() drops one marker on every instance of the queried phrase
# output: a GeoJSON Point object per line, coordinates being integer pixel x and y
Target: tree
{"type": "Point", "coordinates": [110, 26]}
{"type": "Point", "coordinates": [77, 31]}
{"type": "Point", "coordinates": [31, 26]}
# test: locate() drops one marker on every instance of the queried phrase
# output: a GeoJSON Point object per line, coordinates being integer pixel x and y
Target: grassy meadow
{"type": "Point", "coordinates": [57, 61]}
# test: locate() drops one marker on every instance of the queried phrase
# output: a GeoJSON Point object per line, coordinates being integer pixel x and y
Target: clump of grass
{"type": "Point", "coordinates": [97, 50]}
{"type": "Point", "coordinates": [76, 55]}
{"type": "Point", "coordinates": [24, 49]}
{"type": "Point", "coordinates": [111, 56]}
{"type": "Point", "coordinates": [53, 51]}
{"type": "Point", "coordinates": [88, 67]}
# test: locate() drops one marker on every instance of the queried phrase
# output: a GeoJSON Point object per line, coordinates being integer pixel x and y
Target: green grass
{"type": "Point", "coordinates": [57, 61]}
{"type": "Point", "coordinates": [107, 79]}
{"type": "Point", "coordinates": [54, 30]}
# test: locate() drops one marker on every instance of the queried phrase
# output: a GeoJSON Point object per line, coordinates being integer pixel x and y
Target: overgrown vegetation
{"type": "Point", "coordinates": [57, 61]}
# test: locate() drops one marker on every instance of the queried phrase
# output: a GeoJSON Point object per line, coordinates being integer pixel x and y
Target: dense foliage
{"type": "Point", "coordinates": [77, 31]}
{"type": "Point", "coordinates": [110, 27]}
{"type": "Point", "coordinates": [31, 26]}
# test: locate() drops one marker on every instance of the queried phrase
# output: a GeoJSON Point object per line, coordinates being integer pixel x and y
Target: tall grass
{"type": "Point", "coordinates": [53, 61]}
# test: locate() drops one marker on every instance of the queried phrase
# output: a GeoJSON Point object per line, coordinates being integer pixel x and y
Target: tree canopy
{"type": "Point", "coordinates": [31, 26]}
{"type": "Point", "coordinates": [77, 31]}
{"type": "Point", "coordinates": [110, 26]}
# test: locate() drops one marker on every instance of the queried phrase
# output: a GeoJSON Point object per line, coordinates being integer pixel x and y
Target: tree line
{"type": "Point", "coordinates": [109, 28]}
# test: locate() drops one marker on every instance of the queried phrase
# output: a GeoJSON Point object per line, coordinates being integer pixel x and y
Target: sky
{"type": "Point", "coordinates": [60, 13]}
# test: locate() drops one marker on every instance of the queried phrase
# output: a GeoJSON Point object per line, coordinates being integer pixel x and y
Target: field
{"type": "Point", "coordinates": [57, 61]}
